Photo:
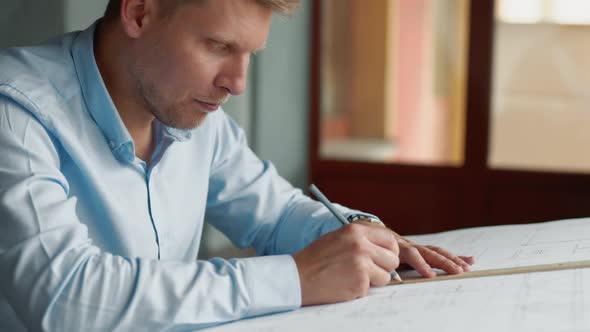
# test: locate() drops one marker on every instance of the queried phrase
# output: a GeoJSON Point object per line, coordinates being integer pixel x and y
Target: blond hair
{"type": "Point", "coordinates": [281, 7]}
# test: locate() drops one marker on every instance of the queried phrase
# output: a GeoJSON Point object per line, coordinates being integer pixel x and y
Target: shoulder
{"type": "Point", "coordinates": [39, 63]}
{"type": "Point", "coordinates": [39, 78]}
{"type": "Point", "coordinates": [24, 139]}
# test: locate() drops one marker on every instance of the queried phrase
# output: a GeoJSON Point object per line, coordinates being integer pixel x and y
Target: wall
{"type": "Point", "coordinates": [29, 21]}
{"type": "Point", "coordinates": [282, 94]}
{"type": "Point", "coordinates": [78, 14]}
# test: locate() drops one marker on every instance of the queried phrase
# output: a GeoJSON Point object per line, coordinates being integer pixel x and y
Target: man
{"type": "Point", "coordinates": [113, 153]}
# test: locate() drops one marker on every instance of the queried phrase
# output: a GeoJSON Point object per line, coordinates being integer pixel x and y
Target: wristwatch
{"type": "Point", "coordinates": [359, 216]}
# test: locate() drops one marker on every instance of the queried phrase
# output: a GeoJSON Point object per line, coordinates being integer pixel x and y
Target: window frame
{"type": "Point", "coordinates": [422, 199]}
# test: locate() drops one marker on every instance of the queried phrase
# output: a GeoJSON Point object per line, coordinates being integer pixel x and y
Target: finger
{"type": "Point", "coordinates": [401, 239]}
{"type": "Point", "coordinates": [411, 256]}
{"type": "Point", "coordinates": [378, 276]}
{"type": "Point", "coordinates": [383, 237]}
{"type": "Point", "coordinates": [384, 258]}
{"type": "Point", "coordinates": [468, 259]}
{"type": "Point", "coordinates": [439, 261]}
{"type": "Point", "coordinates": [449, 255]}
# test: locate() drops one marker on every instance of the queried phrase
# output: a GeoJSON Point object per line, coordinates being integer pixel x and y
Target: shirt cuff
{"type": "Point", "coordinates": [273, 284]}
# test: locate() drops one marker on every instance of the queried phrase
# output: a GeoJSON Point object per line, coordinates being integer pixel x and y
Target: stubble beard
{"type": "Point", "coordinates": [172, 115]}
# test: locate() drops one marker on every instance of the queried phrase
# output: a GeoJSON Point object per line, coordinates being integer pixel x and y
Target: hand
{"type": "Point", "coordinates": [423, 258]}
{"type": "Point", "coordinates": [344, 264]}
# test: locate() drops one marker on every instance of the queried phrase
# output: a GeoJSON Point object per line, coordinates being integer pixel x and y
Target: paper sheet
{"type": "Point", "coordinates": [531, 302]}
{"type": "Point", "coordinates": [518, 245]}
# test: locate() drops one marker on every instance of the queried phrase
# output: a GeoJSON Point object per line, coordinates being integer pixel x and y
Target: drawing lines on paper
{"type": "Point", "coordinates": [520, 310]}
{"type": "Point", "coordinates": [581, 249]}
{"type": "Point", "coordinates": [578, 305]}
{"type": "Point", "coordinates": [553, 235]}
{"type": "Point", "coordinates": [547, 300]}
{"type": "Point", "coordinates": [526, 254]}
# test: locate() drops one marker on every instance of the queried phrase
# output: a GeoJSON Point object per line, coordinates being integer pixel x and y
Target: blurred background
{"type": "Point", "coordinates": [449, 113]}
{"type": "Point", "coordinates": [452, 113]}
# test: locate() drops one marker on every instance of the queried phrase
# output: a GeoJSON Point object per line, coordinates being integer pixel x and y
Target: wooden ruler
{"type": "Point", "coordinates": [499, 272]}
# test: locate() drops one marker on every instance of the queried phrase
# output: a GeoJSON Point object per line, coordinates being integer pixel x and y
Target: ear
{"type": "Point", "coordinates": [136, 15]}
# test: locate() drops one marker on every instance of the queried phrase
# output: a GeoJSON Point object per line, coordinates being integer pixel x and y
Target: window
{"type": "Point", "coordinates": [543, 11]}
{"type": "Point", "coordinates": [540, 118]}
{"type": "Point", "coordinates": [443, 114]}
{"type": "Point", "coordinates": [393, 80]}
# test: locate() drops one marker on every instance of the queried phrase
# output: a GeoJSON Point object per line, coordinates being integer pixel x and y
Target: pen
{"type": "Point", "coordinates": [317, 193]}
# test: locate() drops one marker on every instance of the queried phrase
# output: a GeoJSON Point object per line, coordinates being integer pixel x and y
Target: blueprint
{"type": "Point", "coordinates": [518, 245]}
{"type": "Point", "coordinates": [541, 302]}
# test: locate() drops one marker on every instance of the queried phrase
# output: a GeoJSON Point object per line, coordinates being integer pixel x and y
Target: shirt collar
{"type": "Point", "coordinates": [99, 102]}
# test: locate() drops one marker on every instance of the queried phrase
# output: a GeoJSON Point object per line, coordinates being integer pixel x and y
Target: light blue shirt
{"type": "Point", "coordinates": [93, 240]}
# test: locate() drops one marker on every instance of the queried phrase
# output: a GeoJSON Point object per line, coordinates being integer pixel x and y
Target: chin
{"type": "Point", "coordinates": [188, 123]}
{"type": "Point", "coordinates": [182, 118]}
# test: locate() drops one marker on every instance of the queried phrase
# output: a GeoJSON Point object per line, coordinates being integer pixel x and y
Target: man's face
{"type": "Point", "coordinates": [189, 63]}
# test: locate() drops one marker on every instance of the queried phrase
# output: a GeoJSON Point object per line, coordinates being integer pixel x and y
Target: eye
{"type": "Point", "coordinates": [219, 46]}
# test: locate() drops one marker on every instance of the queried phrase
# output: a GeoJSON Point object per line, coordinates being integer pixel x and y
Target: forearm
{"type": "Point", "coordinates": [83, 288]}
{"type": "Point", "coordinates": [303, 221]}
{"type": "Point", "coordinates": [254, 206]}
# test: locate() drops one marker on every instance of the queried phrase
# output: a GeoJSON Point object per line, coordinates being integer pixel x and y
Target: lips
{"type": "Point", "coordinates": [208, 107]}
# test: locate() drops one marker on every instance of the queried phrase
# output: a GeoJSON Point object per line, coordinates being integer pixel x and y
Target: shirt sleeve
{"type": "Point", "coordinates": [254, 206]}
{"type": "Point", "coordinates": [55, 279]}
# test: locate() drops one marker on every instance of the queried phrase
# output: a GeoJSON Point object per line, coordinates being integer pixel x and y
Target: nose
{"type": "Point", "coordinates": [234, 74]}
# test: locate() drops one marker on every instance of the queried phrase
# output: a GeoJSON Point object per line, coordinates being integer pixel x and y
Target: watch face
{"type": "Point", "coordinates": [355, 217]}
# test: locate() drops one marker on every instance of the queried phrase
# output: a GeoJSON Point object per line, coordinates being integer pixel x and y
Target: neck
{"type": "Point", "coordinates": [111, 50]}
